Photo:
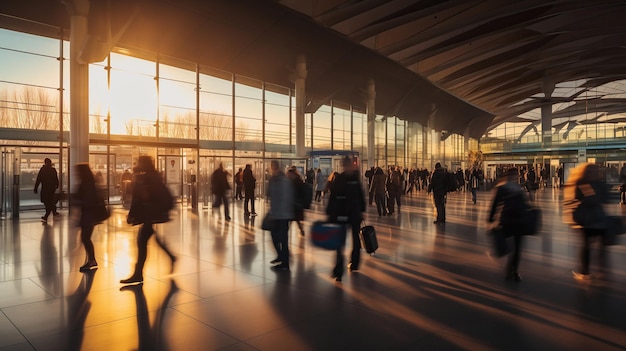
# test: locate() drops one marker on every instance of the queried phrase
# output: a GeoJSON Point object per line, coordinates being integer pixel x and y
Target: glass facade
{"type": "Point", "coordinates": [166, 107]}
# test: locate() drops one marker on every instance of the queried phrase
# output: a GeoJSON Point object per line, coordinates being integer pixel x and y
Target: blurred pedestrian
{"type": "Point", "coordinates": [299, 196]}
{"type": "Point", "coordinates": [346, 204]}
{"type": "Point", "coordinates": [249, 184]}
{"type": "Point", "coordinates": [49, 180]}
{"type": "Point", "coordinates": [474, 180]}
{"type": "Point", "coordinates": [511, 198]}
{"type": "Point", "coordinates": [238, 179]}
{"type": "Point", "coordinates": [219, 186]}
{"type": "Point", "coordinates": [92, 211]}
{"type": "Point", "coordinates": [151, 203]}
{"type": "Point", "coordinates": [585, 195]}
{"type": "Point", "coordinates": [320, 185]}
{"type": "Point", "coordinates": [282, 204]}
{"type": "Point", "coordinates": [438, 186]}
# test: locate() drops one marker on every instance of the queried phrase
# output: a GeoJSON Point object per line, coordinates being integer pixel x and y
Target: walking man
{"type": "Point", "coordinates": [249, 183]}
{"type": "Point", "coordinates": [438, 187]}
{"type": "Point", "coordinates": [49, 181]}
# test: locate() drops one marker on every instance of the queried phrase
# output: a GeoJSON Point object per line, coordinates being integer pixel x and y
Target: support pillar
{"type": "Point", "coordinates": [546, 113]}
{"type": "Point", "coordinates": [299, 80]}
{"type": "Point", "coordinates": [370, 108]}
{"type": "Point", "coordinates": [79, 84]}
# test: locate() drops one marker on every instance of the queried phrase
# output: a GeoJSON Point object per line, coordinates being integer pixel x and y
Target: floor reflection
{"type": "Point", "coordinates": [151, 335]}
{"type": "Point", "coordinates": [428, 286]}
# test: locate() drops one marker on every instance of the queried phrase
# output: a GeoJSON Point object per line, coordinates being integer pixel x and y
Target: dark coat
{"type": "Point", "coordinates": [379, 185]}
{"type": "Point", "coordinates": [591, 199]}
{"type": "Point", "coordinates": [346, 198]}
{"type": "Point", "coordinates": [438, 182]}
{"type": "Point", "coordinates": [219, 182]}
{"type": "Point", "coordinates": [144, 207]}
{"type": "Point", "coordinates": [90, 203]}
{"type": "Point", "coordinates": [49, 181]}
{"type": "Point", "coordinates": [249, 182]}
{"type": "Point", "coordinates": [514, 204]}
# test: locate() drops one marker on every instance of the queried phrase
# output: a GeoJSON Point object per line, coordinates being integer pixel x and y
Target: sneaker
{"type": "Point", "coordinates": [581, 276]}
{"type": "Point", "coordinates": [276, 260]}
{"type": "Point", "coordinates": [252, 214]}
{"type": "Point", "coordinates": [56, 214]}
{"type": "Point", "coordinates": [280, 267]}
{"type": "Point", "coordinates": [44, 219]}
{"type": "Point", "coordinates": [88, 266]}
{"type": "Point", "coordinates": [133, 279]}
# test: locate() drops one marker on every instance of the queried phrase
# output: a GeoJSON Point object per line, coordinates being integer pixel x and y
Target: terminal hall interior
{"type": "Point", "coordinates": [537, 85]}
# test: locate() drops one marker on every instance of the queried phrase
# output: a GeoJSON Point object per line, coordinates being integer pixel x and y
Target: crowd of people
{"type": "Point", "coordinates": [289, 193]}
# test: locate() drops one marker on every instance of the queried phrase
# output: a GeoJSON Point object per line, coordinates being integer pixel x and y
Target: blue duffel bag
{"type": "Point", "coordinates": [329, 236]}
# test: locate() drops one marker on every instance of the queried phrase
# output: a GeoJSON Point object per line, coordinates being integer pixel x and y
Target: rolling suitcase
{"type": "Point", "coordinates": [368, 239]}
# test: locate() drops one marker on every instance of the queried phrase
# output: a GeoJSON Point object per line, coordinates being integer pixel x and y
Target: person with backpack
{"type": "Point", "coordinates": [512, 199]}
{"type": "Point", "coordinates": [151, 204]}
{"type": "Point", "coordinates": [346, 205]}
{"type": "Point", "coordinates": [585, 195]}
{"type": "Point", "coordinates": [92, 211]}
{"type": "Point", "coordinates": [438, 185]}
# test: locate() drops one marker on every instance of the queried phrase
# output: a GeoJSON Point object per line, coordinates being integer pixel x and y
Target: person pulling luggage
{"type": "Point", "coordinates": [346, 204]}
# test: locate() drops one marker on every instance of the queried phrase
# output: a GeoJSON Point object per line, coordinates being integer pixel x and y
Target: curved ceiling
{"type": "Point", "coordinates": [459, 65]}
{"type": "Point", "coordinates": [497, 55]}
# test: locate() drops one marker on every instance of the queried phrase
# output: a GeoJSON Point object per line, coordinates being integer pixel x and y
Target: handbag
{"type": "Point", "coordinates": [101, 213]}
{"type": "Point", "coordinates": [500, 244]}
{"type": "Point", "coordinates": [532, 221]}
{"type": "Point", "coordinates": [614, 227]}
{"type": "Point", "coordinates": [268, 223]}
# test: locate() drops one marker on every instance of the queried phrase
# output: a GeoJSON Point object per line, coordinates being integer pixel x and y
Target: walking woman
{"type": "Point", "coordinates": [92, 212]}
{"type": "Point", "coordinates": [147, 207]}
{"type": "Point", "coordinates": [585, 195]}
{"type": "Point", "coordinates": [320, 185]}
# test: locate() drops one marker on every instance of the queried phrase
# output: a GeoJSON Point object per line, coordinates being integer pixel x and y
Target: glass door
{"type": "Point", "coordinates": [7, 186]}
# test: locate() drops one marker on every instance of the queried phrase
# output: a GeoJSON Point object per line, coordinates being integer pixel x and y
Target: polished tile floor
{"type": "Point", "coordinates": [429, 287]}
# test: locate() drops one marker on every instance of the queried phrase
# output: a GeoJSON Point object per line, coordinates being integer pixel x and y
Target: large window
{"type": "Point", "coordinates": [277, 117]}
{"type": "Point", "coordinates": [29, 85]}
{"type": "Point", "coordinates": [133, 96]}
{"type": "Point", "coordinates": [321, 128]}
{"type": "Point", "coordinates": [177, 103]}
{"type": "Point", "coordinates": [216, 111]}
{"type": "Point", "coordinates": [249, 113]}
{"type": "Point", "coordinates": [342, 130]}
{"type": "Point", "coordinates": [359, 133]}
